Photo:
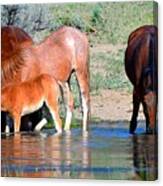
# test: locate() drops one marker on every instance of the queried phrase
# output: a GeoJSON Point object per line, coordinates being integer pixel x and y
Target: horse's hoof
{"type": "Point", "coordinates": [85, 133]}
{"type": "Point", "coordinates": [132, 128]}
{"type": "Point", "coordinates": [66, 129]}
{"type": "Point", "coordinates": [131, 132]}
{"type": "Point", "coordinates": [150, 131]}
{"type": "Point", "coordinates": [58, 134]}
{"type": "Point", "coordinates": [67, 132]}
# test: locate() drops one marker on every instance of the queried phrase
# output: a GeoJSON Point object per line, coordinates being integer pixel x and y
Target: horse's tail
{"type": "Point", "coordinates": [149, 74]}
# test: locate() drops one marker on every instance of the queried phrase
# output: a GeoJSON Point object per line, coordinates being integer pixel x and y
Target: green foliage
{"type": "Point", "coordinates": [96, 15]}
{"type": "Point", "coordinates": [107, 22]}
{"type": "Point", "coordinates": [111, 75]}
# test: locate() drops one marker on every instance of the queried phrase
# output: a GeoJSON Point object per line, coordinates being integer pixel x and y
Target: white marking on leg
{"type": "Point", "coordinates": [40, 125]}
{"type": "Point", "coordinates": [57, 124]}
{"type": "Point", "coordinates": [85, 158]}
{"type": "Point", "coordinates": [68, 119]}
{"type": "Point", "coordinates": [85, 113]}
{"type": "Point", "coordinates": [69, 110]}
{"type": "Point", "coordinates": [7, 129]}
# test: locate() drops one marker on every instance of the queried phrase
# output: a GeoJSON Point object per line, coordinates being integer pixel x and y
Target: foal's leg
{"type": "Point", "coordinates": [40, 125]}
{"type": "Point", "coordinates": [70, 106]}
{"type": "Point", "coordinates": [52, 104]}
{"type": "Point", "coordinates": [6, 122]}
{"type": "Point", "coordinates": [17, 121]}
{"type": "Point", "coordinates": [9, 123]}
{"type": "Point", "coordinates": [83, 80]}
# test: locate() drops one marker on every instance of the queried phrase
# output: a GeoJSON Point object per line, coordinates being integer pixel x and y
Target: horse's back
{"type": "Point", "coordinates": [40, 86]}
{"type": "Point", "coordinates": [71, 40]}
{"type": "Point", "coordinates": [65, 50]}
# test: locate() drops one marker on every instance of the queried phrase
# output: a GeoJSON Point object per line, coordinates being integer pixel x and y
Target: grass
{"type": "Point", "coordinates": [107, 22]}
{"type": "Point", "coordinates": [109, 73]}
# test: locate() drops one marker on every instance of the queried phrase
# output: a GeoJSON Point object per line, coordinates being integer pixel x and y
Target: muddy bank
{"type": "Point", "coordinates": [113, 105]}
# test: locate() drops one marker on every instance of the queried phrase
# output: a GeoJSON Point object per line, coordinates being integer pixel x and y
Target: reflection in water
{"type": "Point", "coordinates": [145, 156]}
{"type": "Point", "coordinates": [107, 151]}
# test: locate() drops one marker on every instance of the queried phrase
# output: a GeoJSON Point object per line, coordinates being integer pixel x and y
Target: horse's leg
{"type": "Point", "coordinates": [52, 104]}
{"type": "Point", "coordinates": [3, 121]}
{"type": "Point", "coordinates": [150, 108]}
{"type": "Point", "coordinates": [55, 115]}
{"type": "Point", "coordinates": [36, 119]}
{"type": "Point", "coordinates": [70, 106]}
{"type": "Point", "coordinates": [83, 81]}
{"type": "Point", "coordinates": [146, 117]}
{"type": "Point", "coordinates": [40, 125]}
{"type": "Point", "coordinates": [17, 121]}
{"type": "Point", "coordinates": [136, 104]}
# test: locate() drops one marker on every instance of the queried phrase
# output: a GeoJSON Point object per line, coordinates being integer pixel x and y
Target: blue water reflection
{"type": "Point", "coordinates": [107, 151]}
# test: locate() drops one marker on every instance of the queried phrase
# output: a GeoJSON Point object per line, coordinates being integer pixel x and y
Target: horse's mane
{"type": "Point", "coordinates": [12, 65]}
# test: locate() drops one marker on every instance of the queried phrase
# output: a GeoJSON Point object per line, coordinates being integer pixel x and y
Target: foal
{"type": "Point", "coordinates": [26, 97]}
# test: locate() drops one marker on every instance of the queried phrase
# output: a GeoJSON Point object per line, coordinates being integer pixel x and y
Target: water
{"type": "Point", "coordinates": [107, 151]}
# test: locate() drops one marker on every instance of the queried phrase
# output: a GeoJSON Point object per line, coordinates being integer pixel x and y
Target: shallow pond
{"type": "Point", "coordinates": [107, 151]}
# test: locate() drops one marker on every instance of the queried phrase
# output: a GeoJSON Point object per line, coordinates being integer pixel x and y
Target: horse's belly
{"type": "Point", "coordinates": [32, 108]}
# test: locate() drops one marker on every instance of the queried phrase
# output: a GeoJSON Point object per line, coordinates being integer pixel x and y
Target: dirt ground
{"type": "Point", "coordinates": [113, 105]}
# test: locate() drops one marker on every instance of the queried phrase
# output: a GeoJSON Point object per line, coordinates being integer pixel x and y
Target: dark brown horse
{"type": "Point", "coordinates": [141, 63]}
{"type": "Point", "coordinates": [63, 52]}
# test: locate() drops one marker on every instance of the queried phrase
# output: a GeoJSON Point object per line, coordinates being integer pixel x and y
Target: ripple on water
{"type": "Point", "coordinates": [108, 151]}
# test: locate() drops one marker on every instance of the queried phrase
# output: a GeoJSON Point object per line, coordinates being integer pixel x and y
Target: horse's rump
{"type": "Point", "coordinates": [141, 54]}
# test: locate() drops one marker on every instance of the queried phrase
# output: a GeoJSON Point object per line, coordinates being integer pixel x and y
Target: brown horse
{"type": "Point", "coordinates": [26, 97]}
{"type": "Point", "coordinates": [63, 52]}
{"type": "Point", "coordinates": [141, 68]}
{"type": "Point", "coordinates": [12, 40]}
